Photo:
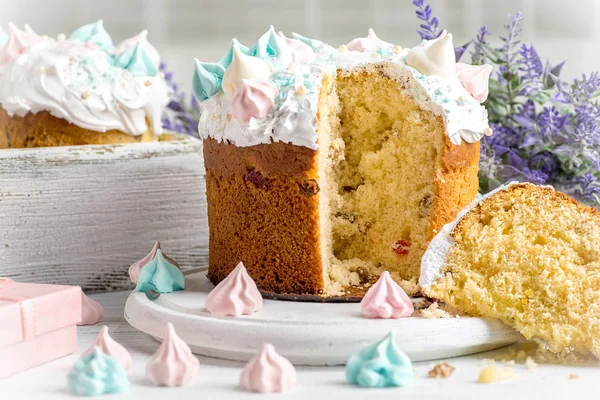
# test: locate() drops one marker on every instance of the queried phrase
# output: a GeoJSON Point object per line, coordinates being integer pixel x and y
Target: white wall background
{"type": "Point", "coordinates": [183, 29]}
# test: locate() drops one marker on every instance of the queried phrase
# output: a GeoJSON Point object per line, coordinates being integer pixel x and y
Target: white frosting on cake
{"type": "Point", "coordinates": [293, 117]}
{"type": "Point", "coordinates": [82, 85]}
{"type": "Point", "coordinates": [434, 258]}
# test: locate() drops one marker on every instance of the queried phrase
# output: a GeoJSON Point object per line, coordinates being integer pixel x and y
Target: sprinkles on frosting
{"type": "Point", "coordinates": [84, 79]}
{"type": "Point", "coordinates": [296, 67]}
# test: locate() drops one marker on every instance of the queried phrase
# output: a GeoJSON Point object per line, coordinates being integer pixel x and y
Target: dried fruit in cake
{"type": "Point", "coordinates": [527, 255]}
{"type": "Point", "coordinates": [335, 165]}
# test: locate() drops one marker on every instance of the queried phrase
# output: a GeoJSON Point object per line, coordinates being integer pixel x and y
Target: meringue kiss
{"type": "Point", "coordinates": [134, 269]}
{"type": "Point", "coordinates": [173, 364]}
{"type": "Point", "coordinates": [268, 372]}
{"type": "Point", "coordinates": [385, 299]}
{"type": "Point", "coordinates": [142, 38]}
{"type": "Point", "coordinates": [91, 311]}
{"type": "Point", "coordinates": [235, 295]}
{"type": "Point", "coordinates": [110, 347]}
{"type": "Point", "coordinates": [369, 43]}
{"type": "Point", "coordinates": [475, 79]}
{"type": "Point", "coordinates": [18, 41]}
{"type": "Point", "coordinates": [434, 57]}
{"type": "Point", "coordinates": [253, 99]}
{"type": "Point", "coordinates": [243, 67]}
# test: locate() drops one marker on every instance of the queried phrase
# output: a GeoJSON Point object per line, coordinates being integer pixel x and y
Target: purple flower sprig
{"type": "Point", "coordinates": [429, 25]}
{"type": "Point", "coordinates": [181, 115]}
{"type": "Point", "coordinates": [546, 129]}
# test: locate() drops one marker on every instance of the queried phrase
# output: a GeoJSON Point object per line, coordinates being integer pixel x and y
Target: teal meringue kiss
{"type": "Point", "coordinates": [160, 276]}
{"type": "Point", "coordinates": [97, 373]}
{"type": "Point", "coordinates": [379, 365]}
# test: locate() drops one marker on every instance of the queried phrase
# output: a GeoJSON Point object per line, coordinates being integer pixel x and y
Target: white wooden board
{"type": "Point", "coordinates": [306, 333]}
{"type": "Point", "coordinates": [82, 214]}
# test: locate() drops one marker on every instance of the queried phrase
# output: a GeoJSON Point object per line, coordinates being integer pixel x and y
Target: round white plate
{"type": "Point", "coordinates": [306, 333]}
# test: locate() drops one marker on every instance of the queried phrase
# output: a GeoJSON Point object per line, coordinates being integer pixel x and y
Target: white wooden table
{"type": "Point", "coordinates": [218, 379]}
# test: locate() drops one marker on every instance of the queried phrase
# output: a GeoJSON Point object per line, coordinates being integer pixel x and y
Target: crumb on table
{"type": "Point", "coordinates": [492, 373]}
{"type": "Point", "coordinates": [441, 370]}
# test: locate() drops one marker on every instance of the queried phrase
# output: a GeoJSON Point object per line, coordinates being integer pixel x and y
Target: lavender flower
{"type": "Point", "coordinates": [181, 116]}
{"type": "Point", "coordinates": [546, 130]}
{"type": "Point", "coordinates": [429, 27]}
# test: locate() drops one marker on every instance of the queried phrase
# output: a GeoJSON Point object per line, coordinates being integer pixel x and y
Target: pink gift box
{"type": "Point", "coordinates": [38, 324]}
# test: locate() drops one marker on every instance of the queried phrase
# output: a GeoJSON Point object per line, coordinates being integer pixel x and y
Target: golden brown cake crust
{"type": "Point", "coordinates": [263, 210]}
{"type": "Point", "coordinates": [512, 191]}
{"type": "Point", "coordinates": [44, 130]}
{"type": "Point", "coordinates": [456, 182]}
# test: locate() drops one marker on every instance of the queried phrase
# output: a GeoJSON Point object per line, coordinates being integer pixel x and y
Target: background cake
{"type": "Point", "coordinates": [527, 255]}
{"type": "Point", "coordinates": [79, 90]}
{"type": "Point", "coordinates": [326, 167]}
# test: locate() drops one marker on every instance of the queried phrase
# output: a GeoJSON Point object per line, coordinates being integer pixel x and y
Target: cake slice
{"type": "Point", "coordinates": [527, 255]}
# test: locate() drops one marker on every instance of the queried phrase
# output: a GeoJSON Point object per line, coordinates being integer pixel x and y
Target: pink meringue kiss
{"type": "Point", "coordinates": [91, 311]}
{"type": "Point", "coordinates": [18, 41]}
{"type": "Point", "coordinates": [385, 299]}
{"type": "Point", "coordinates": [134, 269]}
{"type": "Point", "coordinates": [301, 52]}
{"type": "Point", "coordinates": [369, 43]}
{"type": "Point", "coordinates": [236, 295]}
{"type": "Point", "coordinates": [475, 79]}
{"type": "Point", "coordinates": [252, 99]}
{"type": "Point", "coordinates": [268, 372]}
{"type": "Point", "coordinates": [126, 44]}
{"type": "Point", "coordinates": [110, 347]}
{"type": "Point", "coordinates": [173, 364]}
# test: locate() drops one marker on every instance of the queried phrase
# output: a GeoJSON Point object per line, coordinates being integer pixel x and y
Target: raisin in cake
{"type": "Point", "coordinates": [527, 255]}
{"type": "Point", "coordinates": [79, 90]}
{"type": "Point", "coordinates": [326, 167]}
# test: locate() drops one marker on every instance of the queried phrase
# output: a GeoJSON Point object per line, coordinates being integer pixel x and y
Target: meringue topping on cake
{"type": "Point", "coordinates": [243, 66]}
{"type": "Point", "coordinates": [369, 43]}
{"type": "Point", "coordinates": [386, 299]}
{"type": "Point", "coordinates": [434, 57]}
{"type": "Point", "coordinates": [110, 347]}
{"type": "Point", "coordinates": [173, 364]}
{"type": "Point", "coordinates": [235, 295]}
{"type": "Point", "coordinates": [475, 79]}
{"type": "Point", "coordinates": [268, 372]}
{"type": "Point", "coordinates": [91, 311]}
{"type": "Point", "coordinates": [80, 80]}
{"type": "Point", "coordinates": [253, 99]}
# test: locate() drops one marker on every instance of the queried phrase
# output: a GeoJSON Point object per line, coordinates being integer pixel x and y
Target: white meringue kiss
{"type": "Point", "coordinates": [385, 299]}
{"type": "Point", "coordinates": [110, 347]}
{"type": "Point", "coordinates": [91, 311]}
{"type": "Point", "coordinates": [268, 372]}
{"type": "Point", "coordinates": [243, 67]}
{"type": "Point", "coordinates": [435, 57]}
{"type": "Point", "coordinates": [173, 364]}
{"type": "Point", "coordinates": [253, 99]}
{"type": "Point", "coordinates": [235, 295]}
{"type": "Point", "coordinates": [369, 43]}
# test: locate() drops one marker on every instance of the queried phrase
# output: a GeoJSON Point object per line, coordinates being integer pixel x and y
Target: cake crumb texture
{"type": "Point", "coordinates": [530, 256]}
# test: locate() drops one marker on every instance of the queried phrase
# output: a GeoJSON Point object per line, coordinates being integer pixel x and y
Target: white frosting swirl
{"type": "Point", "coordinates": [81, 85]}
{"type": "Point", "coordinates": [293, 117]}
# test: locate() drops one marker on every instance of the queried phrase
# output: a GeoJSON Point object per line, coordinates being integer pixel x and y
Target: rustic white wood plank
{"type": "Point", "coordinates": [82, 214]}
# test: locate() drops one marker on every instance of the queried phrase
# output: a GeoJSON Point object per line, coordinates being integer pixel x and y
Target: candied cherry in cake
{"type": "Point", "coordinates": [401, 247]}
